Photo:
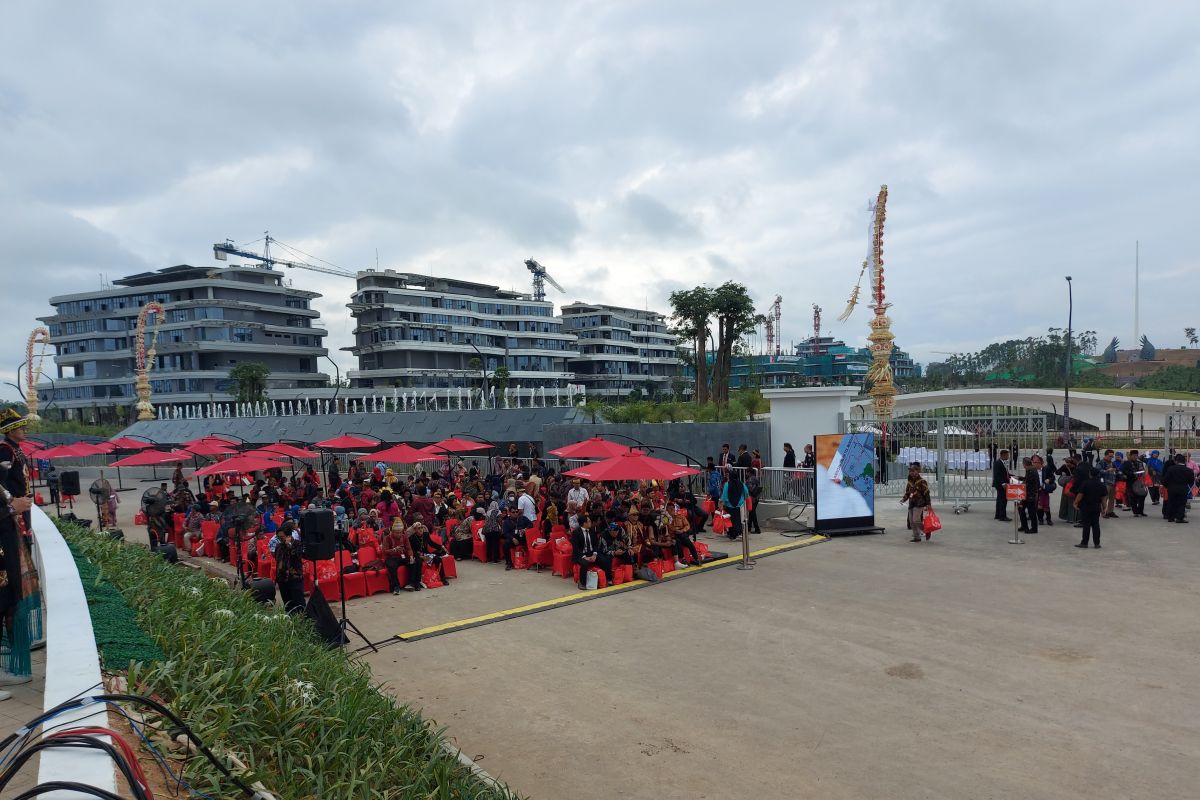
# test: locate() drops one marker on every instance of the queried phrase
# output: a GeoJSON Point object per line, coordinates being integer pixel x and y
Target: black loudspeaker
{"type": "Point", "coordinates": [316, 533]}
{"type": "Point", "coordinates": [68, 483]}
{"type": "Point", "coordinates": [167, 551]}
{"type": "Point", "coordinates": [262, 590]}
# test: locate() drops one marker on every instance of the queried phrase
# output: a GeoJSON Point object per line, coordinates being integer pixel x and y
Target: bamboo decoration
{"type": "Point", "coordinates": [883, 390]}
{"type": "Point", "coordinates": [33, 370]}
{"type": "Point", "coordinates": [144, 359]}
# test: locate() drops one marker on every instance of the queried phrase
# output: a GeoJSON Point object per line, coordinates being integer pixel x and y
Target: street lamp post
{"type": "Point", "coordinates": [1067, 377]}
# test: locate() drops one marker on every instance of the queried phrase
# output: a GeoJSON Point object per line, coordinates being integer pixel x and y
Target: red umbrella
{"type": "Point", "coordinates": [126, 443]}
{"type": "Point", "coordinates": [593, 448]}
{"type": "Point", "coordinates": [632, 466]}
{"type": "Point", "coordinates": [455, 445]}
{"type": "Point", "coordinates": [349, 443]}
{"type": "Point", "coordinates": [214, 440]}
{"type": "Point", "coordinates": [244, 463]}
{"type": "Point", "coordinates": [285, 450]}
{"type": "Point", "coordinates": [406, 454]}
{"type": "Point", "coordinates": [60, 451]}
{"type": "Point", "coordinates": [151, 458]}
{"type": "Point", "coordinates": [89, 449]}
{"type": "Point", "coordinates": [209, 448]}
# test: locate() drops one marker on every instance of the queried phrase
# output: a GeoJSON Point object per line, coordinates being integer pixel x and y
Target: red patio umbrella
{"type": "Point", "coordinates": [212, 439]}
{"type": "Point", "coordinates": [456, 445]}
{"type": "Point", "coordinates": [60, 451]}
{"type": "Point", "coordinates": [243, 463]}
{"type": "Point", "coordinates": [210, 448]}
{"type": "Point", "coordinates": [593, 448]}
{"type": "Point", "coordinates": [406, 454]}
{"type": "Point", "coordinates": [89, 449]}
{"type": "Point", "coordinates": [127, 443]}
{"type": "Point", "coordinates": [632, 466]}
{"type": "Point", "coordinates": [285, 450]}
{"type": "Point", "coordinates": [349, 443]}
{"type": "Point", "coordinates": [152, 458]}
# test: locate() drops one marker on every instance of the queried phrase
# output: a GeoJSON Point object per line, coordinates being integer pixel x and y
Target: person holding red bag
{"type": "Point", "coordinates": [916, 494]}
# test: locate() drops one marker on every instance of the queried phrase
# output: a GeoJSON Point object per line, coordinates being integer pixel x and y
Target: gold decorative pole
{"type": "Point", "coordinates": [33, 372]}
{"type": "Point", "coordinates": [145, 359]}
{"type": "Point", "coordinates": [883, 390]}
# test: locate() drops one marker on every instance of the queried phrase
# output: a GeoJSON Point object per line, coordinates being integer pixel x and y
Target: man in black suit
{"type": "Point", "coordinates": [1179, 480]}
{"type": "Point", "coordinates": [588, 551]}
{"type": "Point", "coordinates": [1028, 507]}
{"type": "Point", "coordinates": [999, 481]}
{"type": "Point", "coordinates": [724, 461]}
{"type": "Point", "coordinates": [743, 459]}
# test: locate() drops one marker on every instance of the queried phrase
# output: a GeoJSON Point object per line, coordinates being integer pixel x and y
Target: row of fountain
{"type": "Point", "coordinates": [465, 399]}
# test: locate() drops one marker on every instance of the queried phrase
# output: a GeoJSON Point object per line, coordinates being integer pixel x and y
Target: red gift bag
{"type": "Point", "coordinates": [520, 559]}
{"type": "Point", "coordinates": [139, 518]}
{"type": "Point", "coordinates": [930, 522]}
{"type": "Point", "coordinates": [431, 577]}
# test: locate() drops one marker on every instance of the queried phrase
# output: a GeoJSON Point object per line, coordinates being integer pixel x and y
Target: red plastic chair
{"type": "Point", "coordinates": [376, 579]}
{"type": "Point", "coordinates": [560, 561]}
{"type": "Point", "coordinates": [266, 567]}
{"type": "Point", "coordinates": [449, 566]}
{"type": "Point", "coordinates": [356, 582]}
{"type": "Point", "coordinates": [478, 545]}
{"type": "Point", "coordinates": [208, 534]}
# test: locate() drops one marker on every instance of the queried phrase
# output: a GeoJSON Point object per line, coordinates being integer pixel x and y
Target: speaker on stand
{"type": "Point", "coordinates": [317, 542]}
{"type": "Point", "coordinates": [68, 486]}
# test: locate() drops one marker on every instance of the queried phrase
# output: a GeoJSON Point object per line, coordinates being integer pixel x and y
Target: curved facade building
{"type": "Point", "coordinates": [215, 318]}
{"type": "Point", "coordinates": [621, 349]}
{"type": "Point", "coordinates": [421, 332]}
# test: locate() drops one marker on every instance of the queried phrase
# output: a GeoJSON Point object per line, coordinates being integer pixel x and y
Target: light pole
{"type": "Point", "coordinates": [1067, 377]}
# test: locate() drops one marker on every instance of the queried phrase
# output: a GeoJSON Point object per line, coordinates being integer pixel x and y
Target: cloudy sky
{"type": "Point", "coordinates": [632, 147]}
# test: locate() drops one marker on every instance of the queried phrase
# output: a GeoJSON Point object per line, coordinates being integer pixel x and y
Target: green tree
{"type": "Point", "coordinates": [1192, 339]}
{"type": "Point", "coordinates": [691, 309]}
{"type": "Point", "coordinates": [500, 377]}
{"type": "Point", "coordinates": [753, 401]}
{"type": "Point", "coordinates": [594, 409]}
{"type": "Point", "coordinates": [736, 317]}
{"type": "Point", "coordinates": [1174, 378]}
{"type": "Point", "coordinates": [249, 379]}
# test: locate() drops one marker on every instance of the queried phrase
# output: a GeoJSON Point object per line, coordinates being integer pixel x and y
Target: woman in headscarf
{"type": "Point", "coordinates": [733, 497]}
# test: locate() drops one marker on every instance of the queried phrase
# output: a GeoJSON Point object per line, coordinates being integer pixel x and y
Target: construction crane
{"type": "Point", "coordinates": [540, 279]}
{"type": "Point", "coordinates": [777, 316]}
{"type": "Point", "coordinates": [222, 251]}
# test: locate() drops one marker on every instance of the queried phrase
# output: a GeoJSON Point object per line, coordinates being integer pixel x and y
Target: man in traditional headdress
{"type": "Point", "coordinates": [15, 503]}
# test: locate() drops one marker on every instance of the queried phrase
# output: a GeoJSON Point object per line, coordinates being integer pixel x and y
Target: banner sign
{"type": "Point", "coordinates": [845, 482]}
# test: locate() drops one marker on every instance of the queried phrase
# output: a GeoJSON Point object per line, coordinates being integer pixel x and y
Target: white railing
{"type": "Point", "coordinates": [72, 663]}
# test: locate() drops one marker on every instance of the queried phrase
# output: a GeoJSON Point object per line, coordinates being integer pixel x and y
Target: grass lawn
{"type": "Point", "coordinates": [1152, 393]}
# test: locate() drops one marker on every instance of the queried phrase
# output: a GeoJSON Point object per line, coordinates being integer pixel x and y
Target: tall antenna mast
{"type": "Point", "coordinates": [1137, 279]}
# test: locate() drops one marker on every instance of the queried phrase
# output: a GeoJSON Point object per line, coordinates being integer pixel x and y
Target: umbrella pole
{"type": "Point", "coordinates": [120, 486]}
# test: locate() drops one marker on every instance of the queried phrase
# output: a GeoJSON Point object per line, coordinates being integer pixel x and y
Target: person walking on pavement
{"type": "Point", "coordinates": [999, 481]}
{"type": "Point", "coordinates": [1134, 473]}
{"type": "Point", "coordinates": [1090, 495]}
{"type": "Point", "coordinates": [916, 494]}
{"type": "Point", "coordinates": [1178, 480]}
{"type": "Point", "coordinates": [1027, 508]}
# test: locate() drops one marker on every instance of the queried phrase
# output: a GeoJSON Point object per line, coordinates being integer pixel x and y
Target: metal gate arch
{"type": "Point", "coordinates": [956, 452]}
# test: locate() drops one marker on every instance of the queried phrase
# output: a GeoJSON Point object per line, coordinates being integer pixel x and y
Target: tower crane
{"type": "Point", "coordinates": [222, 251]}
{"type": "Point", "coordinates": [540, 279]}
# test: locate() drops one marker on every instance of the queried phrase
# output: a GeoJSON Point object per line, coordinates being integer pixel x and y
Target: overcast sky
{"type": "Point", "coordinates": [633, 148]}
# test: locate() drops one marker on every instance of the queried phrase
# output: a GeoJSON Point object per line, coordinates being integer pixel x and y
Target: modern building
{"type": "Point", "coordinates": [824, 362]}
{"type": "Point", "coordinates": [621, 349]}
{"type": "Point", "coordinates": [421, 332]}
{"type": "Point", "coordinates": [215, 319]}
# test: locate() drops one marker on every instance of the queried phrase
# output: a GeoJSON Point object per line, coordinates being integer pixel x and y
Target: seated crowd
{"type": "Point", "coordinates": [507, 507]}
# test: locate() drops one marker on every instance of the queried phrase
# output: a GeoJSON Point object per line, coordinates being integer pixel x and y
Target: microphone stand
{"type": "Point", "coordinates": [344, 623]}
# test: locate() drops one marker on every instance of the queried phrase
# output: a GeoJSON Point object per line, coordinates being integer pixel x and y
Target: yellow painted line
{"type": "Point", "coordinates": [593, 594]}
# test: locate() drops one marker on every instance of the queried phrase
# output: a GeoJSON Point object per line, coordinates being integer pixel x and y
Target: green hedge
{"type": "Point", "coordinates": [254, 681]}
{"type": "Point", "coordinates": [118, 636]}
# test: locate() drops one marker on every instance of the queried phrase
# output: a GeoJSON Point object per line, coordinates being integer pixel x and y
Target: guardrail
{"type": "Point", "coordinates": [72, 662]}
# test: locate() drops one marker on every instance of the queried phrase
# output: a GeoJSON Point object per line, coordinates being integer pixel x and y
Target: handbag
{"type": "Point", "coordinates": [1138, 488]}
{"type": "Point", "coordinates": [593, 580]}
{"type": "Point", "coordinates": [930, 522]}
{"type": "Point", "coordinates": [1063, 480]}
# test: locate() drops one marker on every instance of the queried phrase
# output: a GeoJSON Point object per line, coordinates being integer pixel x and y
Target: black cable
{"type": "Point", "coordinates": [78, 742]}
{"type": "Point", "coordinates": [134, 698]}
{"type": "Point", "coordinates": [166, 712]}
{"type": "Point", "coordinates": [67, 786]}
